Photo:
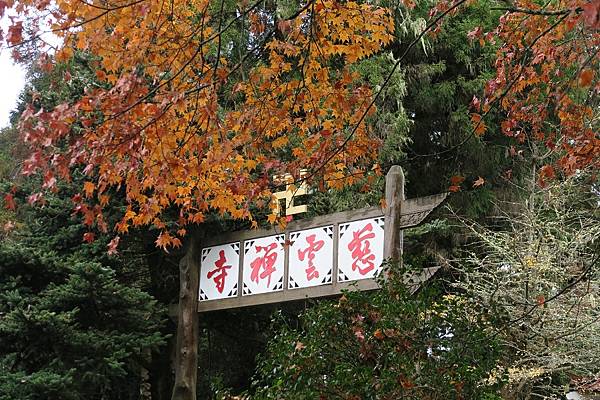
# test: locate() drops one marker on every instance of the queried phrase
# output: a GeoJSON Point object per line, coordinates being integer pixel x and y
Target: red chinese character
{"type": "Point", "coordinates": [266, 262]}
{"type": "Point", "coordinates": [312, 248]}
{"type": "Point", "coordinates": [221, 270]}
{"type": "Point", "coordinates": [361, 250]}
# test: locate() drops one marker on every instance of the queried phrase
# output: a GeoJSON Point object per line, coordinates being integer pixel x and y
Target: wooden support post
{"type": "Point", "coordinates": [186, 357]}
{"type": "Point", "coordinates": [394, 197]}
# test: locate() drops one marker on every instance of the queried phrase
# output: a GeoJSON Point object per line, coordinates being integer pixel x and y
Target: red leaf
{"type": "Point", "coordinates": [113, 244]}
{"type": "Point", "coordinates": [359, 335]}
{"type": "Point", "coordinates": [285, 26]}
{"type": "Point", "coordinates": [540, 300]}
{"type": "Point", "coordinates": [475, 103]}
{"type": "Point", "coordinates": [405, 382]}
{"type": "Point", "coordinates": [410, 4]}
{"type": "Point", "coordinates": [89, 237]}
{"type": "Point", "coordinates": [15, 33]}
{"type": "Point", "coordinates": [457, 180]}
{"type": "Point", "coordinates": [547, 171]}
{"type": "Point", "coordinates": [591, 14]}
{"type": "Point", "coordinates": [478, 124]}
{"type": "Point", "coordinates": [34, 198]}
{"type": "Point", "coordinates": [3, 6]}
{"type": "Point", "coordinates": [9, 202]}
{"type": "Point", "coordinates": [475, 33]}
{"type": "Point", "coordinates": [49, 180]}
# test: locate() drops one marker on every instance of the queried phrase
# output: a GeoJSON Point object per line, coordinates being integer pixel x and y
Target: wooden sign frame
{"type": "Point", "coordinates": [399, 214]}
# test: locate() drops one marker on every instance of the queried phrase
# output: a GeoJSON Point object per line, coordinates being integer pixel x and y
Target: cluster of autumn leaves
{"type": "Point", "coordinates": [546, 82]}
{"type": "Point", "coordinates": [165, 123]}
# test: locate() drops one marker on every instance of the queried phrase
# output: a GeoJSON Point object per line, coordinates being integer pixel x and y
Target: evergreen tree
{"type": "Point", "coordinates": [75, 322]}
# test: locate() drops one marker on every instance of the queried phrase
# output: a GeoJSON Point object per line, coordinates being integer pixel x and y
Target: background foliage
{"type": "Point", "coordinates": [388, 344]}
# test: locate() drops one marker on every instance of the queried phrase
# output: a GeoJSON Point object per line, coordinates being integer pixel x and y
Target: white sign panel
{"type": "Point", "coordinates": [360, 249]}
{"type": "Point", "coordinates": [219, 271]}
{"type": "Point", "coordinates": [264, 260]}
{"type": "Point", "coordinates": [311, 257]}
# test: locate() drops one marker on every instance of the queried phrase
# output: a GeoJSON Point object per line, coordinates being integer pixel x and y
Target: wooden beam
{"type": "Point", "coordinates": [413, 212]}
{"type": "Point", "coordinates": [413, 281]}
{"type": "Point", "coordinates": [287, 295]}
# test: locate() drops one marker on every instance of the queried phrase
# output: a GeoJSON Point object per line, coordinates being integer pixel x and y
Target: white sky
{"type": "Point", "coordinates": [12, 76]}
{"type": "Point", "coordinates": [12, 80]}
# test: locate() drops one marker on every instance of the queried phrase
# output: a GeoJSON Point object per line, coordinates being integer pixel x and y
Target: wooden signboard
{"type": "Point", "coordinates": [311, 258]}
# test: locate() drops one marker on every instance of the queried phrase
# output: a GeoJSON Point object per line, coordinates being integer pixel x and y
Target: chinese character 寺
{"type": "Point", "coordinates": [221, 270]}
{"type": "Point", "coordinates": [266, 262]}
{"type": "Point", "coordinates": [313, 246]}
{"type": "Point", "coordinates": [361, 250]}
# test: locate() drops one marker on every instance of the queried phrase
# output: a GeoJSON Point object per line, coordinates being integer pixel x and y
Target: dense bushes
{"type": "Point", "coordinates": [387, 344]}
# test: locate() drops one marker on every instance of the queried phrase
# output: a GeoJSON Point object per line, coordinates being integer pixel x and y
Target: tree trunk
{"type": "Point", "coordinates": [186, 356]}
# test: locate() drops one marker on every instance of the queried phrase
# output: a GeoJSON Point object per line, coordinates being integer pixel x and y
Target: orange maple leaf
{"type": "Point", "coordinates": [164, 240]}
{"type": "Point", "coordinates": [272, 218]}
{"type": "Point", "coordinates": [88, 188]}
{"type": "Point", "coordinates": [586, 77]}
{"type": "Point", "coordinates": [478, 124]}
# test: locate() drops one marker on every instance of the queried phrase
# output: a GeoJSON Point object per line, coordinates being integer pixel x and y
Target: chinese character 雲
{"type": "Point", "coordinates": [309, 253]}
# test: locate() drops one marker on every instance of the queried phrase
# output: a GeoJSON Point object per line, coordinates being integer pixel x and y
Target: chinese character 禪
{"type": "Point", "coordinates": [265, 262]}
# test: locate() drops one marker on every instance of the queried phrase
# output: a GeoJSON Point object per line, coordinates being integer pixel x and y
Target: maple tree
{"type": "Point", "coordinates": [546, 81]}
{"type": "Point", "coordinates": [177, 121]}
{"type": "Point", "coordinates": [165, 126]}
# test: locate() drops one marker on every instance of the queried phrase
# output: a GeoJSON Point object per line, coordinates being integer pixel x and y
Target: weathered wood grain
{"type": "Point", "coordinates": [394, 198]}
